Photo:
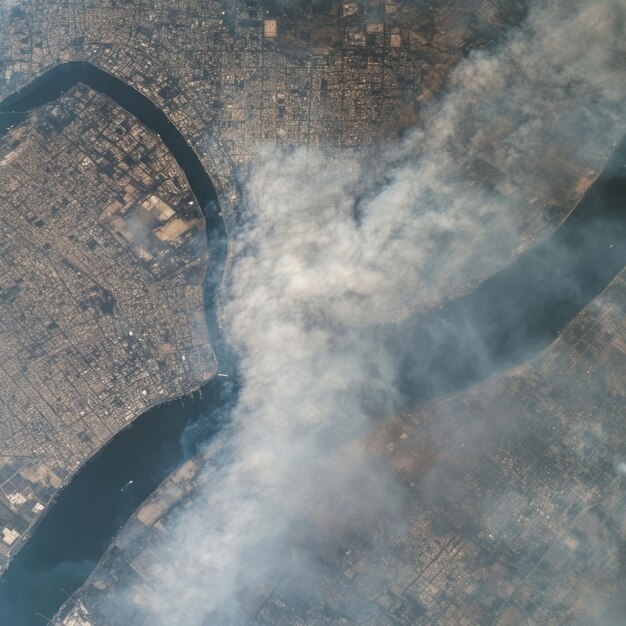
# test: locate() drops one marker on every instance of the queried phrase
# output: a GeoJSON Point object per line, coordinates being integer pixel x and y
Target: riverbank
{"type": "Point", "coordinates": [510, 316]}
{"type": "Point", "coordinates": [145, 452]}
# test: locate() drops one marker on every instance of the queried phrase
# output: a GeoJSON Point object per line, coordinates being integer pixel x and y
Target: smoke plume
{"type": "Point", "coordinates": [314, 265]}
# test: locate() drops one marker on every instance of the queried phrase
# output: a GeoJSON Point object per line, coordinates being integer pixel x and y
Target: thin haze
{"type": "Point", "coordinates": [289, 472]}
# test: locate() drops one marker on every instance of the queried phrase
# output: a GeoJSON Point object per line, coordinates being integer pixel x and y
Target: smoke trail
{"type": "Point", "coordinates": [290, 477]}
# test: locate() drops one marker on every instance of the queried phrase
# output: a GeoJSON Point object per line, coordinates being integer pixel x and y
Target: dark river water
{"type": "Point", "coordinates": [69, 541]}
{"type": "Point", "coordinates": [507, 319]}
{"type": "Point", "coordinates": [520, 310]}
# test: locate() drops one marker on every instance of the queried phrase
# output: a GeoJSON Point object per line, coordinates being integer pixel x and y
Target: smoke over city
{"type": "Point", "coordinates": [313, 267]}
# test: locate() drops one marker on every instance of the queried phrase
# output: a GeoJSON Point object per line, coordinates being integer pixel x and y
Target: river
{"type": "Point", "coordinates": [507, 319]}
{"type": "Point", "coordinates": [70, 539]}
{"type": "Point", "coordinates": [520, 310]}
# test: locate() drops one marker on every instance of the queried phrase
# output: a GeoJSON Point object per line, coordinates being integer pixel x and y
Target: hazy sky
{"type": "Point", "coordinates": [307, 277]}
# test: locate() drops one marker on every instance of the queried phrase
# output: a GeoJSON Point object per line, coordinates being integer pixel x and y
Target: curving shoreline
{"type": "Point", "coordinates": [500, 336]}
{"type": "Point", "coordinates": [519, 311]}
{"type": "Point", "coordinates": [157, 431]}
{"type": "Point", "coordinates": [51, 84]}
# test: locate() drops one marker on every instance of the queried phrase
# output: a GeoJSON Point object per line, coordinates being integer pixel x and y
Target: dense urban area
{"type": "Point", "coordinates": [235, 76]}
{"type": "Point", "coordinates": [514, 510]}
{"type": "Point", "coordinates": [105, 253]}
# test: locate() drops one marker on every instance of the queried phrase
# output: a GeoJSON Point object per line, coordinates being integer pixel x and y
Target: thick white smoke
{"type": "Point", "coordinates": [306, 271]}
